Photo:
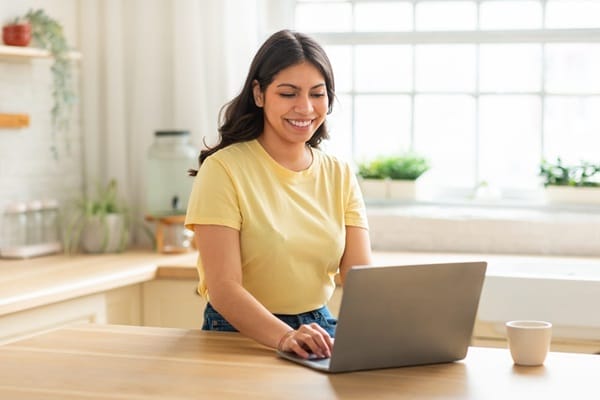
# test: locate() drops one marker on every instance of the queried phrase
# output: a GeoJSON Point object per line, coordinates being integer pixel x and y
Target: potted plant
{"type": "Point", "coordinates": [101, 224]}
{"type": "Point", "coordinates": [579, 184]}
{"type": "Point", "coordinates": [397, 175]}
{"type": "Point", "coordinates": [17, 33]}
{"type": "Point", "coordinates": [372, 180]}
{"type": "Point", "coordinates": [48, 34]}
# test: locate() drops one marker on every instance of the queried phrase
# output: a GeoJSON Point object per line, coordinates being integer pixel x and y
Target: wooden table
{"type": "Point", "coordinates": [126, 362]}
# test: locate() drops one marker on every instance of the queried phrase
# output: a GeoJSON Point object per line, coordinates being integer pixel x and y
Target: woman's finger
{"type": "Point", "coordinates": [326, 342]}
{"type": "Point", "coordinates": [316, 339]}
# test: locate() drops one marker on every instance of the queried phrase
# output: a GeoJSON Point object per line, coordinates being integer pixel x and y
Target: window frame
{"type": "Point", "coordinates": [476, 37]}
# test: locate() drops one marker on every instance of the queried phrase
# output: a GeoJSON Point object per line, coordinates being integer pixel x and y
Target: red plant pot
{"type": "Point", "coordinates": [17, 34]}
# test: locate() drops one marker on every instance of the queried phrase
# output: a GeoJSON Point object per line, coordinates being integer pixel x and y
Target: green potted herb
{"type": "Point", "coordinates": [392, 177]}
{"type": "Point", "coordinates": [579, 183]}
{"type": "Point", "coordinates": [372, 179]}
{"type": "Point", "coordinates": [47, 33]}
{"type": "Point", "coordinates": [101, 223]}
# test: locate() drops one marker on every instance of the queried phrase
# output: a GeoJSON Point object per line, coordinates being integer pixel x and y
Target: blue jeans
{"type": "Point", "coordinates": [213, 321]}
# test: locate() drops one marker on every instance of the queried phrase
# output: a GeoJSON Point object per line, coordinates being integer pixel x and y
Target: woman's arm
{"type": "Point", "coordinates": [357, 250]}
{"type": "Point", "coordinates": [219, 248]}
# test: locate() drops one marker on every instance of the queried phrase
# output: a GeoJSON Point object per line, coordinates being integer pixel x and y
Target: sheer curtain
{"type": "Point", "coordinates": [161, 64]}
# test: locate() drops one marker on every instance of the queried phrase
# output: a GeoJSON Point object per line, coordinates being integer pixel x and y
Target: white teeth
{"type": "Point", "coordinates": [300, 124]}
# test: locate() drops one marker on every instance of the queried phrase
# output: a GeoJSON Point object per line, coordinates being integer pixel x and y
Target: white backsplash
{"type": "Point", "coordinates": [28, 169]}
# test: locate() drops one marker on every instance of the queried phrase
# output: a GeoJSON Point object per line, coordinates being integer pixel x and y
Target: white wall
{"type": "Point", "coordinates": [146, 65]}
{"type": "Point", "coordinates": [28, 169]}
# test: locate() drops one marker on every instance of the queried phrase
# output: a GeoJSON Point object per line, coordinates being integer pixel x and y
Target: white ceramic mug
{"type": "Point", "coordinates": [529, 341]}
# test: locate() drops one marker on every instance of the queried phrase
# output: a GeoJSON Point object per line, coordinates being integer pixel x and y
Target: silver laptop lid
{"type": "Point", "coordinates": [396, 316]}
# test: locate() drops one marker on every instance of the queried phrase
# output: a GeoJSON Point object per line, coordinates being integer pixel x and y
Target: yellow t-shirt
{"type": "Point", "coordinates": [292, 224]}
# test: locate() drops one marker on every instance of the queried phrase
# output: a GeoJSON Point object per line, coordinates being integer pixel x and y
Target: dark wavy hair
{"type": "Point", "coordinates": [241, 119]}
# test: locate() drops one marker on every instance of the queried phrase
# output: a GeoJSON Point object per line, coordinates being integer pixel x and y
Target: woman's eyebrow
{"type": "Point", "coordinates": [296, 87]}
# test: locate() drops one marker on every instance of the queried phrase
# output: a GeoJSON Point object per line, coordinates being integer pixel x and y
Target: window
{"type": "Point", "coordinates": [484, 88]}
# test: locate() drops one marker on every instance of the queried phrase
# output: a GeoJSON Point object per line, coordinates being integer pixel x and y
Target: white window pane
{"type": "Point", "coordinates": [383, 68]}
{"type": "Point", "coordinates": [445, 133]}
{"type": "Point", "coordinates": [383, 16]}
{"type": "Point", "coordinates": [325, 17]}
{"type": "Point", "coordinates": [573, 68]}
{"type": "Point", "coordinates": [573, 14]}
{"type": "Point", "coordinates": [510, 67]}
{"type": "Point", "coordinates": [510, 145]}
{"type": "Point", "coordinates": [510, 15]}
{"type": "Point", "coordinates": [382, 125]}
{"type": "Point", "coordinates": [341, 61]}
{"type": "Point", "coordinates": [446, 15]}
{"type": "Point", "coordinates": [339, 123]}
{"type": "Point", "coordinates": [445, 67]}
{"type": "Point", "coordinates": [572, 129]}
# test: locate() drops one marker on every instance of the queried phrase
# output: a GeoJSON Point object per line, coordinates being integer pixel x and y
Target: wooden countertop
{"type": "Point", "coordinates": [118, 362]}
{"type": "Point", "coordinates": [39, 281]}
{"type": "Point", "coordinates": [25, 284]}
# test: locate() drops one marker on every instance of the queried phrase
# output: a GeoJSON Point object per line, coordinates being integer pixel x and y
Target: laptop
{"type": "Point", "coordinates": [397, 316]}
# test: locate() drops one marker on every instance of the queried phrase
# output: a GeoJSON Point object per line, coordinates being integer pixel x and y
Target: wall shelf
{"type": "Point", "coordinates": [14, 120]}
{"type": "Point", "coordinates": [18, 53]}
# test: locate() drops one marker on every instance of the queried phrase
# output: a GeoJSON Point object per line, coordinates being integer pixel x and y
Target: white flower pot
{"type": "Point", "coordinates": [402, 189]}
{"type": "Point", "coordinates": [374, 189]}
{"type": "Point", "coordinates": [572, 195]}
{"type": "Point", "coordinates": [105, 235]}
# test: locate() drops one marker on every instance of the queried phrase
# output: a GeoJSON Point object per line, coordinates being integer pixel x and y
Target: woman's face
{"type": "Point", "coordinates": [295, 104]}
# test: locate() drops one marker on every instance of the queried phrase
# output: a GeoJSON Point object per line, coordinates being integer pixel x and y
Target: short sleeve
{"type": "Point", "coordinates": [213, 199]}
{"type": "Point", "coordinates": [355, 213]}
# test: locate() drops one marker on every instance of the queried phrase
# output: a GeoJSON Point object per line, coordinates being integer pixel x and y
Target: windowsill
{"type": "Point", "coordinates": [480, 227]}
{"type": "Point", "coordinates": [483, 208]}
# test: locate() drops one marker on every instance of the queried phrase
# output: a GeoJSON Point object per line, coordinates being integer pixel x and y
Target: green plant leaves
{"type": "Point", "coordinates": [48, 34]}
{"type": "Point", "coordinates": [408, 166]}
{"type": "Point", "coordinates": [585, 174]}
{"type": "Point", "coordinates": [98, 208]}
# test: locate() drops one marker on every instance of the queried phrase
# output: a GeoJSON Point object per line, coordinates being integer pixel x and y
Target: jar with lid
{"type": "Point", "coordinates": [168, 185]}
{"type": "Point", "coordinates": [14, 226]}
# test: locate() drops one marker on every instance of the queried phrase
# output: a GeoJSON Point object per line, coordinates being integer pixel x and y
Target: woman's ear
{"type": "Point", "coordinates": [258, 94]}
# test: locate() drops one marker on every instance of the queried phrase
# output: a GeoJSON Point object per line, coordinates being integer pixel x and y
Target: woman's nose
{"type": "Point", "coordinates": [304, 104]}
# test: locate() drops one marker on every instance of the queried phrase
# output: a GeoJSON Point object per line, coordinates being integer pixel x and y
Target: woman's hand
{"type": "Point", "coordinates": [306, 340]}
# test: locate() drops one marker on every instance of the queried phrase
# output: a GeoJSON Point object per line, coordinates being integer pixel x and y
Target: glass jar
{"type": "Point", "coordinates": [14, 226]}
{"type": "Point", "coordinates": [50, 221]}
{"type": "Point", "coordinates": [168, 185]}
{"type": "Point", "coordinates": [34, 222]}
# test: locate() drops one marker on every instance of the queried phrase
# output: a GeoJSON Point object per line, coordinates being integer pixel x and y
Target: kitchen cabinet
{"type": "Point", "coordinates": [117, 306]}
{"type": "Point", "coordinates": [44, 293]}
{"type": "Point", "coordinates": [172, 303]}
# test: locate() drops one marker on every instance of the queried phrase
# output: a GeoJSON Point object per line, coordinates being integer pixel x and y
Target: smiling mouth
{"type": "Point", "coordinates": [300, 123]}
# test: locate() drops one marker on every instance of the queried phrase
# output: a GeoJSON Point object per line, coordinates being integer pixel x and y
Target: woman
{"type": "Point", "coordinates": [274, 217]}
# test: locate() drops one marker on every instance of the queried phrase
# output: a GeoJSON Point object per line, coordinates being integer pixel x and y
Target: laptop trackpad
{"type": "Point", "coordinates": [313, 360]}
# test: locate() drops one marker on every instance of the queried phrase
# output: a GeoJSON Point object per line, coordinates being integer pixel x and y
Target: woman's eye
{"type": "Point", "coordinates": [318, 94]}
{"type": "Point", "coordinates": [287, 94]}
